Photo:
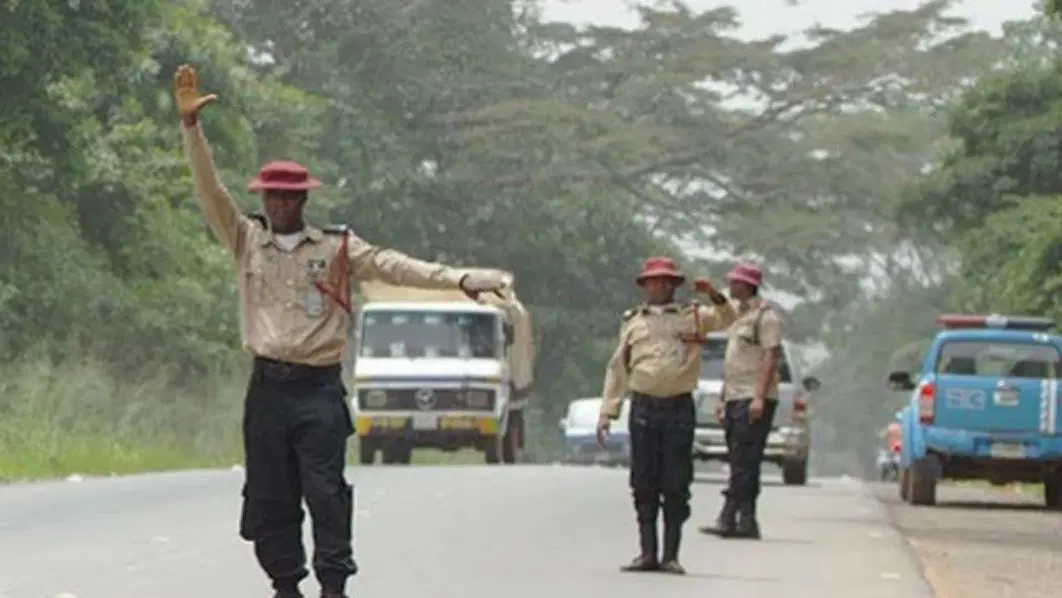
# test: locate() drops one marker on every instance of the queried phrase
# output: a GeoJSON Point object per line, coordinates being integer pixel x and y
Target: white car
{"type": "Point", "coordinates": [790, 439]}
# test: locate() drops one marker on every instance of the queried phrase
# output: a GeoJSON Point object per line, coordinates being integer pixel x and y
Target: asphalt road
{"type": "Point", "coordinates": [525, 532]}
{"type": "Point", "coordinates": [983, 543]}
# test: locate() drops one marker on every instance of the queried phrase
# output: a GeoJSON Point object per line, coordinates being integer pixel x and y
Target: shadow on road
{"type": "Point", "coordinates": [979, 505]}
{"type": "Point", "coordinates": [766, 483]}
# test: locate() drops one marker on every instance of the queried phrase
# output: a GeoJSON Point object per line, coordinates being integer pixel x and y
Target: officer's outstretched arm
{"type": "Point", "coordinates": [718, 316]}
{"type": "Point", "coordinates": [219, 210]}
{"type": "Point", "coordinates": [368, 262]}
{"type": "Point", "coordinates": [615, 378]}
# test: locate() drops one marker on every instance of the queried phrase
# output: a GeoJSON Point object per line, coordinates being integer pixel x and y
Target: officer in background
{"type": "Point", "coordinates": [658, 359]}
{"type": "Point", "coordinates": [294, 283]}
{"type": "Point", "coordinates": [748, 400]}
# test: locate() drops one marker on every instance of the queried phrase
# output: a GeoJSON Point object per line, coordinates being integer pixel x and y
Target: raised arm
{"type": "Point", "coordinates": [219, 209]}
{"type": "Point", "coordinates": [718, 316]}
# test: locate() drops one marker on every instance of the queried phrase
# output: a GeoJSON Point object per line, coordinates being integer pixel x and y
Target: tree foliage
{"type": "Point", "coordinates": [475, 132]}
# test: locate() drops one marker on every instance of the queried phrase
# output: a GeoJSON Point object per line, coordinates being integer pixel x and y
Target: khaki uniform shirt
{"type": "Point", "coordinates": [283, 316]}
{"type": "Point", "coordinates": [651, 358]}
{"type": "Point", "coordinates": [743, 358]}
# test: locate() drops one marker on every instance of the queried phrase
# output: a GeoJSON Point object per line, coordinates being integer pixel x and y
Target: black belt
{"type": "Point", "coordinates": [655, 402]}
{"type": "Point", "coordinates": [283, 370]}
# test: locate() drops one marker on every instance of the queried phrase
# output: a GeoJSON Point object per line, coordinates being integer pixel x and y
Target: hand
{"type": "Point", "coordinates": [719, 411]}
{"type": "Point", "coordinates": [756, 409]}
{"type": "Point", "coordinates": [603, 425]}
{"type": "Point", "coordinates": [482, 281]}
{"type": "Point", "coordinates": [703, 286]}
{"type": "Point", "coordinates": [186, 93]}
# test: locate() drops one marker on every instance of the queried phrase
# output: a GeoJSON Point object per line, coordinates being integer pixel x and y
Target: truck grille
{"type": "Point", "coordinates": [439, 399]}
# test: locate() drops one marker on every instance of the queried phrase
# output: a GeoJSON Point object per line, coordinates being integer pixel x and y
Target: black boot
{"type": "Point", "coordinates": [672, 541]}
{"type": "Point", "coordinates": [747, 526]}
{"type": "Point", "coordinates": [726, 524]}
{"type": "Point", "coordinates": [647, 560]}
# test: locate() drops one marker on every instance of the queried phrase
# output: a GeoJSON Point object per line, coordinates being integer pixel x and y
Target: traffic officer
{"type": "Point", "coordinates": [748, 400]}
{"type": "Point", "coordinates": [658, 359]}
{"type": "Point", "coordinates": [294, 283]}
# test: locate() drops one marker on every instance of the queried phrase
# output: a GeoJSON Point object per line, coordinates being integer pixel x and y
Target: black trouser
{"type": "Point", "coordinates": [661, 432]}
{"type": "Point", "coordinates": [295, 429]}
{"type": "Point", "coordinates": [746, 441]}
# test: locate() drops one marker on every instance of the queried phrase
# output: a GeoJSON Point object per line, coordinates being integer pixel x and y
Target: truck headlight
{"type": "Point", "coordinates": [376, 399]}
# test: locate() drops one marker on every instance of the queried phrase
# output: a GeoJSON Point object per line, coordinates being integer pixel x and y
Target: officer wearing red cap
{"type": "Point", "coordinates": [658, 360]}
{"type": "Point", "coordinates": [748, 400]}
{"type": "Point", "coordinates": [294, 283]}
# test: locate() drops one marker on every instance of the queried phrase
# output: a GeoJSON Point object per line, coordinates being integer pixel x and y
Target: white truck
{"type": "Point", "coordinates": [435, 369]}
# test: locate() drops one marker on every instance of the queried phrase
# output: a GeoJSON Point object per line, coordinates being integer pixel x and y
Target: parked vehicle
{"type": "Point", "coordinates": [984, 406]}
{"type": "Point", "coordinates": [580, 440]}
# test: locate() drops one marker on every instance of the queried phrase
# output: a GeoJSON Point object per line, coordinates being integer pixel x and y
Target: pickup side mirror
{"type": "Point", "coordinates": [900, 381]}
{"type": "Point", "coordinates": [810, 383]}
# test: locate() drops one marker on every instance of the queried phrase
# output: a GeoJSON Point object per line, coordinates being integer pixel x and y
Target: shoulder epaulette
{"type": "Point", "coordinates": [259, 218]}
{"type": "Point", "coordinates": [335, 229]}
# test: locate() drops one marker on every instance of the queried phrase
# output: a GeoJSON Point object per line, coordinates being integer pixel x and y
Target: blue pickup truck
{"type": "Point", "coordinates": [983, 407]}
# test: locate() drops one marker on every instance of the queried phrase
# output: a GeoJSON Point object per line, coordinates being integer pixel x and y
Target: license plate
{"type": "Point", "coordinates": [1006, 398]}
{"type": "Point", "coordinates": [425, 421]}
{"type": "Point", "coordinates": [1007, 450]}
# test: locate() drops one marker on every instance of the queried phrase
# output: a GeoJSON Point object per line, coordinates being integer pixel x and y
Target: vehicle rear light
{"type": "Point", "coordinates": [926, 403]}
{"type": "Point", "coordinates": [800, 406]}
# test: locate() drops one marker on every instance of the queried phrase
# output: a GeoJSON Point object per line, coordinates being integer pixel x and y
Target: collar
{"type": "Point", "coordinates": [312, 234]}
{"type": "Point", "coordinates": [666, 308]}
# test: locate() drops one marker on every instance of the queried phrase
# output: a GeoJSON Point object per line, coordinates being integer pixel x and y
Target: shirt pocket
{"type": "Point", "coordinates": [744, 332]}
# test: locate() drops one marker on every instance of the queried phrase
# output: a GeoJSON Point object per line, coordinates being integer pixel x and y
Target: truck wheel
{"type": "Point", "coordinates": [922, 484]}
{"type": "Point", "coordinates": [367, 448]}
{"type": "Point", "coordinates": [795, 473]}
{"type": "Point", "coordinates": [398, 453]}
{"type": "Point", "coordinates": [492, 450]}
{"type": "Point", "coordinates": [513, 441]}
{"type": "Point", "coordinates": [904, 484]}
{"type": "Point", "coordinates": [1053, 490]}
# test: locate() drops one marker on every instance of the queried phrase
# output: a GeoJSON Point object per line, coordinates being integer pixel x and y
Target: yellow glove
{"type": "Point", "coordinates": [186, 94]}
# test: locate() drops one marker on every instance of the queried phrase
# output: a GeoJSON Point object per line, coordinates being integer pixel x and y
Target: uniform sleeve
{"type": "Point", "coordinates": [716, 317]}
{"type": "Point", "coordinates": [368, 262]}
{"type": "Point", "coordinates": [615, 378]}
{"type": "Point", "coordinates": [219, 210]}
{"type": "Point", "coordinates": [771, 329]}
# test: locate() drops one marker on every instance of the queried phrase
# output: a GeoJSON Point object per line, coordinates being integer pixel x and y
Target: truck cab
{"type": "Point", "coordinates": [436, 370]}
{"type": "Point", "coordinates": [984, 406]}
{"type": "Point", "coordinates": [789, 442]}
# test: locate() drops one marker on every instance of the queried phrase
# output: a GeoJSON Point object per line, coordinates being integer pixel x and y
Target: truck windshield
{"type": "Point", "coordinates": [713, 354]}
{"type": "Point", "coordinates": [996, 358]}
{"type": "Point", "coordinates": [412, 334]}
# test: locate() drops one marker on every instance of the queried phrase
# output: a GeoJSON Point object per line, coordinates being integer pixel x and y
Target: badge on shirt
{"type": "Point", "coordinates": [315, 301]}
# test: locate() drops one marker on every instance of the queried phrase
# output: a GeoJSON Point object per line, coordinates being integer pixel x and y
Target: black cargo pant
{"type": "Point", "coordinates": [746, 442]}
{"type": "Point", "coordinates": [295, 429]}
{"type": "Point", "coordinates": [661, 432]}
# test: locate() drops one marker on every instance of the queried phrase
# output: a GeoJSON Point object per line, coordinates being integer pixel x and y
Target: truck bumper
{"type": "Point", "coordinates": [440, 431]}
{"type": "Point", "coordinates": [783, 444]}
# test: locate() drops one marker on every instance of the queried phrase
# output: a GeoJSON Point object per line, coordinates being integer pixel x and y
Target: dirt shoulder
{"type": "Point", "coordinates": [981, 542]}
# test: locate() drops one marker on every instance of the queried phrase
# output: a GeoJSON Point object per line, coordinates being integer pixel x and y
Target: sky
{"type": "Point", "coordinates": [769, 17]}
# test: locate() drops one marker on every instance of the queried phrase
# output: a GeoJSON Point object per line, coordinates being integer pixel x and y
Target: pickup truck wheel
{"type": "Point", "coordinates": [367, 448]}
{"type": "Point", "coordinates": [1053, 490]}
{"type": "Point", "coordinates": [923, 484]}
{"type": "Point", "coordinates": [795, 473]}
{"type": "Point", "coordinates": [904, 483]}
{"type": "Point", "coordinates": [492, 450]}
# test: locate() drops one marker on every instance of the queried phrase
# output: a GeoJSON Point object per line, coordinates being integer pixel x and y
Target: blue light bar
{"type": "Point", "coordinates": [1031, 323]}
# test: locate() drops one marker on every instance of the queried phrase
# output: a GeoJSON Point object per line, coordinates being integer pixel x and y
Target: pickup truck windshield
{"type": "Point", "coordinates": [994, 358]}
{"type": "Point", "coordinates": [712, 356]}
{"type": "Point", "coordinates": [420, 334]}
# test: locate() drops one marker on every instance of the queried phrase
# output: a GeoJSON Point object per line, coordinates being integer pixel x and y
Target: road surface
{"type": "Point", "coordinates": [445, 532]}
{"type": "Point", "coordinates": [983, 543]}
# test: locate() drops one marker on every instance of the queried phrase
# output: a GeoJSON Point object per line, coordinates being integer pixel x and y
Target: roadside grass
{"type": "Point", "coordinates": [76, 418]}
